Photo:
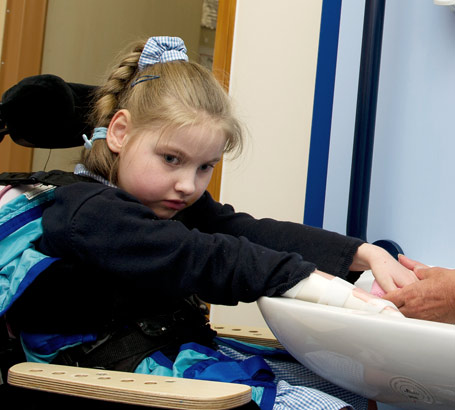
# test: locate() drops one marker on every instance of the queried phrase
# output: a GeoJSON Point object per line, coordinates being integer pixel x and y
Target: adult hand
{"type": "Point", "coordinates": [388, 272]}
{"type": "Point", "coordinates": [431, 298]}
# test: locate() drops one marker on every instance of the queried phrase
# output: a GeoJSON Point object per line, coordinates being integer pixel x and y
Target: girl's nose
{"type": "Point", "coordinates": [186, 183]}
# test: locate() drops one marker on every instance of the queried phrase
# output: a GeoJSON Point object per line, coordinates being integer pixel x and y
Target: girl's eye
{"type": "Point", "coordinates": [170, 159]}
{"type": "Point", "coordinates": [207, 167]}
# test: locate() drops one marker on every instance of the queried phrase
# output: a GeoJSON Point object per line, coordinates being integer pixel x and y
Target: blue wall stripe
{"type": "Point", "coordinates": [322, 113]}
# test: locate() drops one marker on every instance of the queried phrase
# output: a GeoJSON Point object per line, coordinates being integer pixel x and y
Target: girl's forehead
{"type": "Point", "coordinates": [197, 134]}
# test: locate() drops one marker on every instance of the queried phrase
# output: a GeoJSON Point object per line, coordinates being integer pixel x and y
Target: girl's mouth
{"type": "Point", "coordinates": [174, 204]}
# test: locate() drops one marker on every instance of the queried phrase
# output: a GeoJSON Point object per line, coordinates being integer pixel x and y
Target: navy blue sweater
{"type": "Point", "coordinates": [118, 258]}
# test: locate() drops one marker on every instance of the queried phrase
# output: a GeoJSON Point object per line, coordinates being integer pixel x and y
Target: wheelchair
{"type": "Point", "coordinates": [56, 118]}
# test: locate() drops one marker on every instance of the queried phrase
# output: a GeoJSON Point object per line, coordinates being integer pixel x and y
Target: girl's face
{"type": "Point", "coordinates": [169, 173]}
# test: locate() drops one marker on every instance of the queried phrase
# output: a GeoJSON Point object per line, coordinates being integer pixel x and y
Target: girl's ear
{"type": "Point", "coordinates": [118, 130]}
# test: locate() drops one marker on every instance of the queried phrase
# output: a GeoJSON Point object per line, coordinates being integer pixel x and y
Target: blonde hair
{"type": "Point", "coordinates": [185, 93]}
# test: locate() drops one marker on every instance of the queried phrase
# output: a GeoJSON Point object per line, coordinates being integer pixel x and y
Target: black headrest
{"type": "Point", "coordinates": [44, 111]}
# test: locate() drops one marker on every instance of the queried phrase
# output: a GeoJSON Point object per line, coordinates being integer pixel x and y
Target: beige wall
{"type": "Point", "coordinates": [272, 83]}
{"type": "Point", "coordinates": [84, 36]}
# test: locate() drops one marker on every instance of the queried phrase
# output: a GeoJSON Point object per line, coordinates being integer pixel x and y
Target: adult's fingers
{"type": "Point", "coordinates": [396, 297]}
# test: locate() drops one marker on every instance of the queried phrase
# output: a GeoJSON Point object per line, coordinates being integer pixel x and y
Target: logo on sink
{"type": "Point", "coordinates": [411, 389]}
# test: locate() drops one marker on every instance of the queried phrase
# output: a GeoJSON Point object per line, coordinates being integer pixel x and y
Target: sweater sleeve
{"type": "Point", "coordinates": [329, 251]}
{"type": "Point", "coordinates": [111, 231]}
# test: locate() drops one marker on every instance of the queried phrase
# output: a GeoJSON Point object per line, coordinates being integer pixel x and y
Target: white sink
{"type": "Point", "coordinates": [403, 362]}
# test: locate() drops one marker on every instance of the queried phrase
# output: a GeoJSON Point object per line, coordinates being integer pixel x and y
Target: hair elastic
{"type": "Point", "coordinates": [162, 50]}
{"type": "Point", "coordinates": [159, 50]}
{"type": "Point", "coordinates": [99, 133]}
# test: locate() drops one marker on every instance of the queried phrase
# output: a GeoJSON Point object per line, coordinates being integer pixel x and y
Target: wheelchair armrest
{"type": "Point", "coordinates": [129, 388]}
{"type": "Point", "coordinates": [258, 335]}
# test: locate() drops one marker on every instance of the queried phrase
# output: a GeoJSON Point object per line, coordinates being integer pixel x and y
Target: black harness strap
{"type": "Point", "coordinates": [122, 351]}
{"type": "Point", "coordinates": [55, 177]}
{"type": "Point", "coordinates": [125, 347]}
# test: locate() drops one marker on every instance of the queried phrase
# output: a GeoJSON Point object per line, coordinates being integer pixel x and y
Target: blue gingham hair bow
{"type": "Point", "coordinates": [161, 50]}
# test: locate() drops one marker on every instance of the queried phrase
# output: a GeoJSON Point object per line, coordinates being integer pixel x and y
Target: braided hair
{"type": "Point", "coordinates": [183, 93]}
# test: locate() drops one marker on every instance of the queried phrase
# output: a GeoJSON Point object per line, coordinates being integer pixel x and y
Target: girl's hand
{"type": "Point", "coordinates": [388, 272]}
{"type": "Point", "coordinates": [410, 264]}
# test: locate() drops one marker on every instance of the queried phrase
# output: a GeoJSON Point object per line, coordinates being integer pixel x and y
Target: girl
{"type": "Point", "coordinates": [138, 245]}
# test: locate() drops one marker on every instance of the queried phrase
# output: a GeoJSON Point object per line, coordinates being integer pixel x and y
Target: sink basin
{"type": "Point", "coordinates": [403, 362]}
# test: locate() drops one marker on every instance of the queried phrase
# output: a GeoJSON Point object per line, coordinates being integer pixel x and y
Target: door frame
{"type": "Point", "coordinates": [22, 51]}
{"type": "Point", "coordinates": [222, 68]}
